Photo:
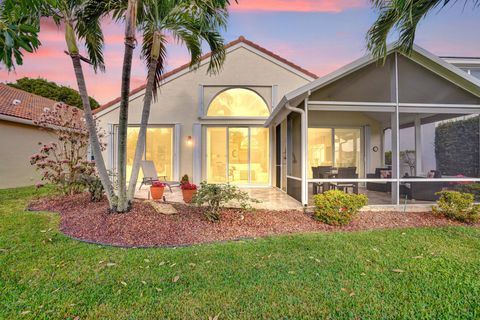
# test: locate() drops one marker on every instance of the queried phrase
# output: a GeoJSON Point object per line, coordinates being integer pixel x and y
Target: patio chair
{"type": "Point", "coordinates": [347, 173]}
{"type": "Point", "coordinates": [379, 186]}
{"type": "Point", "coordinates": [150, 175]}
{"type": "Point", "coordinates": [321, 172]}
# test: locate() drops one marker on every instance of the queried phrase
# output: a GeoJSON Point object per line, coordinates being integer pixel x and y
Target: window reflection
{"type": "Point", "coordinates": [238, 155]}
{"type": "Point", "coordinates": [238, 102]}
{"type": "Point", "coordinates": [158, 148]}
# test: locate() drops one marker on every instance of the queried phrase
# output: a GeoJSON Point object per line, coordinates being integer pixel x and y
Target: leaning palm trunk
{"type": "Point", "coordinates": [147, 102]}
{"type": "Point", "coordinates": [130, 20]}
{"type": "Point", "coordinates": [89, 120]}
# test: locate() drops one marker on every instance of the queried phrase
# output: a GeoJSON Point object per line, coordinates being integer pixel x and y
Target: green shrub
{"type": "Point", "coordinates": [216, 196]}
{"type": "Point", "coordinates": [94, 186]}
{"type": "Point", "coordinates": [336, 207]}
{"type": "Point", "coordinates": [473, 188]}
{"type": "Point", "coordinates": [457, 206]}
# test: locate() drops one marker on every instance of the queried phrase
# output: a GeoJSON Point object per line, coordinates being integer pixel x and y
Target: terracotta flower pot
{"type": "Point", "coordinates": [157, 192]}
{"type": "Point", "coordinates": [188, 195]}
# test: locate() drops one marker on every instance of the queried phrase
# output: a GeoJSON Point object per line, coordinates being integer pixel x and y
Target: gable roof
{"type": "Point", "coordinates": [419, 55]}
{"type": "Point", "coordinates": [29, 108]}
{"type": "Point", "coordinates": [186, 67]}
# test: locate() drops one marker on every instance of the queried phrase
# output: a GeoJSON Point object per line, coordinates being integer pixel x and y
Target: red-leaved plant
{"type": "Point", "coordinates": [188, 186]}
{"type": "Point", "coordinates": [158, 184]}
{"type": "Point", "coordinates": [63, 162]}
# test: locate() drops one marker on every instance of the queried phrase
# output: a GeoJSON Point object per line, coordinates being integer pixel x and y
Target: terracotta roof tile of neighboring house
{"type": "Point", "coordinates": [206, 56]}
{"type": "Point", "coordinates": [21, 104]}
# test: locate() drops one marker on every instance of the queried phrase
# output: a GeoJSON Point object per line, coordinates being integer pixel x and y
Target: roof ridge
{"type": "Point", "coordinates": [240, 39]}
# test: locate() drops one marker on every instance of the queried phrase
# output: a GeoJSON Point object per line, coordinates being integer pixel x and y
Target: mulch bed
{"type": "Point", "coordinates": [144, 227]}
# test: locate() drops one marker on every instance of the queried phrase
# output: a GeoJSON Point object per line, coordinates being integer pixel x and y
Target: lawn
{"type": "Point", "coordinates": [404, 273]}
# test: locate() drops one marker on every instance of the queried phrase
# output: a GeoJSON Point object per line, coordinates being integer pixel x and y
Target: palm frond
{"type": "Point", "coordinates": [402, 16]}
{"type": "Point", "coordinates": [19, 30]}
{"type": "Point", "coordinates": [90, 31]}
{"type": "Point", "coordinates": [189, 22]}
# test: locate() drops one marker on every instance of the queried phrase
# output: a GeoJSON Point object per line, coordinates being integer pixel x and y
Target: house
{"type": "Point", "coordinates": [264, 121]}
{"type": "Point", "coordinates": [19, 135]}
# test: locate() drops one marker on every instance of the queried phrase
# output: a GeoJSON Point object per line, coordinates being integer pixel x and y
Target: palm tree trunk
{"type": "Point", "coordinates": [130, 20]}
{"type": "Point", "coordinates": [143, 130]}
{"type": "Point", "coordinates": [89, 120]}
{"type": "Point", "coordinates": [147, 102]}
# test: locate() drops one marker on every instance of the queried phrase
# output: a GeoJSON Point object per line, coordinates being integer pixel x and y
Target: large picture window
{"type": "Point", "coordinates": [238, 155]}
{"type": "Point", "coordinates": [336, 147]}
{"type": "Point", "coordinates": [238, 102]}
{"type": "Point", "coordinates": [158, 148]}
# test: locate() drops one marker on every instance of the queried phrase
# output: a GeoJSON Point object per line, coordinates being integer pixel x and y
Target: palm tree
{"type": "Point", "coordinates": [69, 13]}
{"type": "Point", "coordinates": [126, 11]}
{"type": "Point", "coordinates": [189, 22]}
{"type": "Point", "coordinates": [402, 16]}
{"type": "Point", "coordinates": [130, 43]}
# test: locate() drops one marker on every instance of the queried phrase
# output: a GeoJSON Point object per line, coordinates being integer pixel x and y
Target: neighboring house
{"type": "Point", "coordinates": [265, 122]}
{"type": "Point", "coordinates": [19, 136]}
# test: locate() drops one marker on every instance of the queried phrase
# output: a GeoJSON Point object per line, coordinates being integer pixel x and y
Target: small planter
{"type": "Point", "coordinates": [157, 190]}
{"type": "Point", "coordinates": [188, 195]}
{"type": "Point", "coordinates": [188, 191]}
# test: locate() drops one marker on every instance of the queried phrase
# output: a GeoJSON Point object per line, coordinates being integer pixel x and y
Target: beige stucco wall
{"type": "Point", "coordinates": [339, 119]}
{"type": "Point", "coordinates": [179, 99]}
{"type": "Point", "coordinates": [17, 143]}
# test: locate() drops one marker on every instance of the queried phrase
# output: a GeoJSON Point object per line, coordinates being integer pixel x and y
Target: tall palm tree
{"type": "Point", "coordinates": [402, 16]}
{"type": "Point", "coordinates": [190, 23]}
{"type": "Point", "coordinates": [69, 14]}
{"type": "Point", "coordinates": [130, 43]}
{"type": "Point", "coordinates": [125, 11]}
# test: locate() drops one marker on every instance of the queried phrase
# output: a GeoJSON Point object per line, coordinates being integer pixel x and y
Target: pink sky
{"type": "Point", "coordinates": [298, 5]}
{"type": "Point", "coordinates": [319, 35]}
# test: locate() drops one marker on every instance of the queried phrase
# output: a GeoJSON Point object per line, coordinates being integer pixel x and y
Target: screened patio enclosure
{"type": "Point", "coordinates": [399, 132]}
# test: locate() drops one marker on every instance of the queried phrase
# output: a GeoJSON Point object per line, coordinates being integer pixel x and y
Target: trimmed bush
{"type": "Point", "coordinates": [338, 208]}
{"type": "Point", "coordinates": [457, 206]}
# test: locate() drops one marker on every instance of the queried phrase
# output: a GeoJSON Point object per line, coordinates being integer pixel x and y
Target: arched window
{"type": "Point", "coordinates": [238, 102]}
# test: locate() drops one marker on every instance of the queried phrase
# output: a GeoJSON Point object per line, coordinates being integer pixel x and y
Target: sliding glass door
{"type": "Point", "coordinates": [158, 148]}
{"type": "Point", "coordinates": [238, 155]}
{"type": "Point", "coordinates": [336, 147]}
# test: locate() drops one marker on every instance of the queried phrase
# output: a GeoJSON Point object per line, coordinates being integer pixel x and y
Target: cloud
{"type": "Point", "coordinates": [333, 6]}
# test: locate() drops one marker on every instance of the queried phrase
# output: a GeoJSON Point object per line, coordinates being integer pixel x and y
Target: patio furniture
{"type": "Point", "coordinates": [423, 191]}
{"type": "Point", "coordinates": [347, 173]}
{"type": "Point", "coordinates": [378, 186]}
{"type": "Point", "coordinates": [150, 176]}
{"type": "Point", "coordinates": [321, 172]}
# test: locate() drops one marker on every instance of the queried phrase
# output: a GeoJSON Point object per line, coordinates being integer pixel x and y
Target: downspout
{"type": "Point", "coordinates": [304, 148]}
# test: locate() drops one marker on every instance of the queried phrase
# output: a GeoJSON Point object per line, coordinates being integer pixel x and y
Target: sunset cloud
{"type": "Point", "coordinates": [298, 5]}
{"type": "Point", "coordinates": [319, 44]}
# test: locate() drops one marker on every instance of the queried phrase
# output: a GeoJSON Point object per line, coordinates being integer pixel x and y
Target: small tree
{"type": "Point", "coordinates": [408, 158]}
{"type": "Point", "coordinates": [64, 162]}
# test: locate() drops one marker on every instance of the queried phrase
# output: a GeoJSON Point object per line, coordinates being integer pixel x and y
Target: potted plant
{"type": "Point", "coordinates": [185, 179]}
{"type": "Point", "coordinates": [188, 191]}
{"type": "Point", "coordinates": [157, 189]}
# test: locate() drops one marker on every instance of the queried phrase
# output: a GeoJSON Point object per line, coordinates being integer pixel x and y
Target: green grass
{"type": "Point", "coordinates": [44, 274]}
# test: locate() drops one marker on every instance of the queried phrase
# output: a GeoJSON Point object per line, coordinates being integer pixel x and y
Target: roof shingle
{"type": "Point", "coordinates": [30, 106]}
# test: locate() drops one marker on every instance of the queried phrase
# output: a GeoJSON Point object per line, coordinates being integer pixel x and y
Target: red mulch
{"type": "Point", "coordinates": [143, 226]}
